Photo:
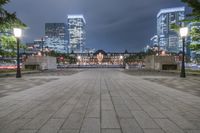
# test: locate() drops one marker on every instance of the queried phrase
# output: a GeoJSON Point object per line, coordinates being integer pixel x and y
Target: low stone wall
{"type": "Point", "coordinates": [41, 63]}
{"type": "Point", "coordinates": [161, 63]}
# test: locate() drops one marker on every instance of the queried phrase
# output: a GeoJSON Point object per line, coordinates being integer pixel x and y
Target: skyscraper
{"type": "Point", "coordinates": [77, 33]}
{"type": "Point", "coordinates": [56, 30]}
{"type": "Point", "coordinates": [56, 36]}
{"type": "Point", "coordinates": [168, 39]}
{"type": "Point", "coordinates": [154, 41]}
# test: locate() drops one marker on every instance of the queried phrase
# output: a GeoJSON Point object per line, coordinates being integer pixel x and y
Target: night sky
{"type": "Point", "coordinates": [112, 25]}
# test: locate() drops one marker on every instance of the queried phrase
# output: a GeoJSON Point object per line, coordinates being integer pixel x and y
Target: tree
{"type": "Point", "coordinates": [8, 20]}
{"type": "Point", "coordinates": [194, 16]}
{"type": "Point", "coordinates": [9, 44]}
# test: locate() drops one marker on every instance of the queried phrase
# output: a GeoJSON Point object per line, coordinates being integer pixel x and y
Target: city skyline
{"type": "Point", "coordinates": [112, 28]}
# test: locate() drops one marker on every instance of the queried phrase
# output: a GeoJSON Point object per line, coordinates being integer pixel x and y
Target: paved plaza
{"type": "Point", "coordinates": [99, 101]}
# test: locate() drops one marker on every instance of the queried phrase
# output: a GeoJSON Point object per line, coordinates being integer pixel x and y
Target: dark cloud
{"type": "Point", "coordinates": [113, 25]}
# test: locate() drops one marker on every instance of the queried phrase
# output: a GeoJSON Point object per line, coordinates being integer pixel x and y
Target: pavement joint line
{"type": "Point", "coordinates": [18, 116]}
{"type": "Point", "coordinates": [148, 114]}
{"type": "Point", "coordinates": [124, 93]}
{"type": "Point", "coordinates": [86, 110]}
{"type": "Point", "coordinates": [167, 95]}
{"type": "Point", "coordinates": [85, 86]}
{"type": "Point", "coordinates": [100, 87]}
{"type": "Point", "coordinates": [118, 119]}
{"type": "Point", "coordinates": [144, 93]}
{"type": "Point", "coordinates": [128, 108]}
{"type": "Point", "coordinates": [52, 114]}
{"type": "Point", "coordinates": [160, 112]}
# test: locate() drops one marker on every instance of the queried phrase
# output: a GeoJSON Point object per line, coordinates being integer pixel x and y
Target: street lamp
{"type": "Point", "coordinates": [42, 45]}
{"type": "Point", "coordinates": [17, 33]}
{"type": "Point", "coordinates": [79, 59]}
{"type": "Point", "coordinates": [183, 34]}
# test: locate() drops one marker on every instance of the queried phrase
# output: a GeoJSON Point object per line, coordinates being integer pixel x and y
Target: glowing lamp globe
{"type": "Point", "coordinates": [17, 32]}
{"type": "Point", "coordinates": [184, 31]}
{"type": "Point", "coordinates": [79, 57]}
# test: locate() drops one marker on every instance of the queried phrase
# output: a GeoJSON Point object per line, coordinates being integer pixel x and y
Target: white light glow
{"type": "Point", "coordinates": [121, 57]}
{"type": "Point", "coordinates": [184, 31]}
{"type": "Point", "coordinates": [17, 32]}
{"type": "Point", "coordinates": [79, 57]}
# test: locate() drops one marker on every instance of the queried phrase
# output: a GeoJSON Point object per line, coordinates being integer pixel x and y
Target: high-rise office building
{"type": "Point", "coordinates": [168, 39]}
{"type": "Point", "coordinates": [56, 36]}
{"type": "Point", "coordinates": [154, 41]}
{"type": "Point", "coordinates": [77, 33]}
{"type": "Point", "coordinates": [56, 30]}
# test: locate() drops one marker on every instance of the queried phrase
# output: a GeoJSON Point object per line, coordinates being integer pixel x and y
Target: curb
{"type": "Point", "coordinates": [13, 74]}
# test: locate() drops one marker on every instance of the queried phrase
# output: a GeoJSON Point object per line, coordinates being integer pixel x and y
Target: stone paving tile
{"type": "Point", "coordinates": [117, 100]}
{"type": "Point", "coordinates": [109, 120]}
{"type": "Point", "coordinates": [168, 126]}
{"type": "Point", "coordinates": [11, 85]}
{"type": "Point", "coordinates": [31, 114]}
{"type": "Point", "coordinates": [74, 121]}
{"type": "Point", "coordinates": [179, 120]}
{"type": "Point", "coordinates": [63, 112]}
{"type": "Point", "coordinates": [132, 105]}
{"type": "Point", "coordinates": [193, 131]}
{"type": "Point", "coordinates": [180, 84]}
{"type": "Point", "coordinates": [152, 112]}
{"type": "Point", "coordinates": [153, 131]}
{"type": "Point", "coordinates": [38, 121]}
{"type": "Point", "coordinates": [68, 131]}
{"type": "Point", "coordinates": [111, 131]}
{"type": "Point", "coordinates": [130, 126]}
{"type": "Point", "coordinates": [52, 126]}
{"type": "Point", "coordinates": [14, 126]}
{"type": "Point", "coordinates": [107, 105]}
{"type": "Point", "coordinates": [27, 131]}
{"type": "Point", "coordinates": [10, 117]}
{"type": "Point", "coordinates": [122, 111]}
{"type": "Point", "coordinates": [144, 120]}
{"type": "Point", "coordinates": [91, 125]}
{"type": "Point", "coordinates": [101, 100]}
{"type": "Point", "coordinates": [93, 111]}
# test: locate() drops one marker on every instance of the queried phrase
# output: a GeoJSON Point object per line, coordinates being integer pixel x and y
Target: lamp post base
{"type": "Point", "coordinates": [18, 74]}
{"type": "Point", "coordinates": [182, 75]}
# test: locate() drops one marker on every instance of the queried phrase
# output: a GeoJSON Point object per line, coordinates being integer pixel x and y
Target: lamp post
{"type": "Point", "coordinates": [42, 45]}
{"type": "Point", "coordinates": [17, 34]}
{"type": "Point", "coordinates": [121, 59]}
{"type": "Point", "coordinates": [79, 59]}
{"type": "Point", "coordinates": [183, 34]}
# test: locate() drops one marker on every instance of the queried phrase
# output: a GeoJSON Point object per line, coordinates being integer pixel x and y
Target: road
{"type": "Point", "coordinates": [99, 101]}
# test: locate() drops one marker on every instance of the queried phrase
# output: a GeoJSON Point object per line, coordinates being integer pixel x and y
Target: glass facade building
{"type": "Point", "coordinates": [56, 30]}
{"type": "Point", "coordinates": [56, 36]}
{"type": "Point", "coordinates": [77, 33]}
{"type": "Point", "coordinates": [168, 39]}
{"type": "Point", "coordinates": [154, 41]}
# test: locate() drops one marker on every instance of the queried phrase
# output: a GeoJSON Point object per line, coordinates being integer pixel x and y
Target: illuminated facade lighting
{"type": "Point", "coordinates": [77, 33]}
{"type": "Point", "coordinates": [168, 39]}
